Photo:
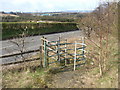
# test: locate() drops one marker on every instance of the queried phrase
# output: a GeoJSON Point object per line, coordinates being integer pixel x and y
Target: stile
{"type": "Point", "coordinates": [61, 54]}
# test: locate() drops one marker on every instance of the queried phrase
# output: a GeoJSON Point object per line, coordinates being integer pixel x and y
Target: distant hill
{"type": "Point", "coordinates": [3, 14]}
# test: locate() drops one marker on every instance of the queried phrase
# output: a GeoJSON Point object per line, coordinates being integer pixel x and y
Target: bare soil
{"type": "Point", "coordinates": [73, 79]}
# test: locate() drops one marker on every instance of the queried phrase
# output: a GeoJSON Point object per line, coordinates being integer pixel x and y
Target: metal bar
{"type": "Point", "coordinates": [53, 62]}
{"type": "Point", "coordinates": [75, 56]}
{"type": "Point", "coordinates": [82, 44]}
{"type": "Point", "coordinates": [82, 50]}
{"type": "Point", "coordinates": [78, 48]}
{"type": "Point", "coordinates": [49, 49]}
{"type": "Point", "coordinates": [65, 52]}
{"type": "Point", "coordinates": [56, 53]}
{"type": "Point", "coordinates": [66, 43]}
{"type": "Point", "coordinates": [81, 47]}
{"type": "Point", "coordinates": [80, 59]}
{"type": "Point", "coordinates": [80, 54]}
{"type": "Point", "coordinates": [53, 58]}
{"type": "Point", "coordinates": [52, 55]}
{"type": "Point", "coordinates": [63, 47]}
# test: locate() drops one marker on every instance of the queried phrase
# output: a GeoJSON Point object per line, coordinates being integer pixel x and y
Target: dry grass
{"type": "Point", "coordinates": [87, 76]}
{"type": "Point", "coordinates": [25, 79]}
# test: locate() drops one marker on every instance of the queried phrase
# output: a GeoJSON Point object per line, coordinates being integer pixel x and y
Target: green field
{"type": "Point", "coordinates": [15, 29]}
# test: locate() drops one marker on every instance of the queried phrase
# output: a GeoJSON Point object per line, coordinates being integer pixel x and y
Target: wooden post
{"type": "Point", "coordinates": [42, 43]}
{"type": "Point", "coordinates": [75, 56]}
{"type": "Point", "coordinates": [58, 48]}
{"type": "Point", "coordinates": [47, 61]}
{"type": "Point", "coordinates": [44, 53]}
{"type": "Point", "coordinates": [41, 56]}
{"type": "Point", "coordinates": [42, 50]}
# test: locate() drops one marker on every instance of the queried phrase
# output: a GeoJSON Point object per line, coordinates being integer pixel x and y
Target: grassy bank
{"type": "Point", "coordinates": [25, 79]}
{"type": "Point", "coordinates": [86, 76]}
{"type": "Point", "coordinates": [16, 29]}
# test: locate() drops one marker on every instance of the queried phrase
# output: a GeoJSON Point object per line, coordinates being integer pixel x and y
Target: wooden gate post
{"type": "Point", "coordinates": [75, 55]}
{"type": "Point", "coordinates": [45, 53]}
{"type": "Point", "coordinates": [42, 50]}
{"type": "Point", "coordinates": [41, 57]}
{"type": "Point", "coordinates": [47, 58]}
{"type": "Point", "coordinates": [42, 39]}
{"type": "Point", "coordinates": [58, 49]}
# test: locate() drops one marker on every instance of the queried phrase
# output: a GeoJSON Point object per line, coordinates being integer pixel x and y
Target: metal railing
{"type": "Point", "coordinates": [59, 51]}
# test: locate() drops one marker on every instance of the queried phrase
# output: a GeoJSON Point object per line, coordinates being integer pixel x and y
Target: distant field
{"type": "Point", "coordinates": [15, 29]}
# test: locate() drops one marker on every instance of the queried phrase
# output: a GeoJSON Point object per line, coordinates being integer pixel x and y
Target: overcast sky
{"type": "Point", "coordinates": [47, 5]}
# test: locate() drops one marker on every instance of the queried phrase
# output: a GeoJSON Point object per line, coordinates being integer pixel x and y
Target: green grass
{"type": "Point", "coordinates": [25, 79]}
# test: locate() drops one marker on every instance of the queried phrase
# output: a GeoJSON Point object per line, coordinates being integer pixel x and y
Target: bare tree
{"type": "Point", "coordinates": [97, 27]}
{"type": "Point", "coordinates": [21, 44]}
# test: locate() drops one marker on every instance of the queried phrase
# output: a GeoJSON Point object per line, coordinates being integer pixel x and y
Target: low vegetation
{"type": "Point", "coordinates": [15, 29]}
{"type": "Point", "coordinates": [86, 76]}
{"type": "Point", "coordinates": [23, 17]}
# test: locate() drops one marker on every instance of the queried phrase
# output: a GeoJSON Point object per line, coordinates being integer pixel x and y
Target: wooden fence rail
{"type": "Point", "coordinates": [11, 55]}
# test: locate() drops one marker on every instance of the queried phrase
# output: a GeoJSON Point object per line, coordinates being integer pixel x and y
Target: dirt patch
{"type": "Point", "coordinates": [71, 79]}
{"type": "Point", "coordinates": [81, 78]}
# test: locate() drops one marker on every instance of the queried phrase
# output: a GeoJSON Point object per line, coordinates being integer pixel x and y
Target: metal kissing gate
{"type": "Point", "coordinates": [62, 52]}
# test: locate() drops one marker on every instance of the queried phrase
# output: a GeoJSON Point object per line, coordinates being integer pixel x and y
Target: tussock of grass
{"type": "Point", "coordinates": [25, 79]}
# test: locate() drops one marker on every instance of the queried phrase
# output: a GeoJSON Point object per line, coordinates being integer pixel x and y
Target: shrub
{"type": "Point", "coordinates": [15, 29]}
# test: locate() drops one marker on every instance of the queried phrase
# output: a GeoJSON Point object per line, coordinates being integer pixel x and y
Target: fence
{"type": "Point", "coordinates": [62, 52]}
{"type": "Point", "coordinates": [19, 53]}
{"type": "Point", "coordinates": [58, 52]}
